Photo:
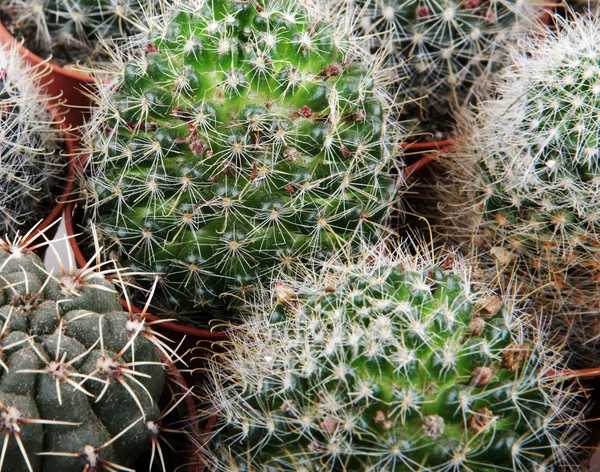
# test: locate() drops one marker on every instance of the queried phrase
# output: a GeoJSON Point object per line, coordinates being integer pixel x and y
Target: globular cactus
{"type": "Point", "coordinates": [389, 364]}
{"type": "Point", "coordinates": [241, 138]}
{"type": "Point", "coordinates": [71, 30]}
{"type": "Point", "coordinates": [30, 145]}
{"type": "Point", "coordinates": [440, 52]}
{"type": "Point", "coordinates": [80, 379]}
{"type": "Point", "coordinates": [528, 172]}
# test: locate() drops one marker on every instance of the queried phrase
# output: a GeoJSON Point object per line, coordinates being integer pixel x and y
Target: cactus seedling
{"type": "Point", "coordinates": [399, 364]}
{"type": "Point", "coordinates": [243, 137]}
{"type": "Point", "coordinates": [29, 144]}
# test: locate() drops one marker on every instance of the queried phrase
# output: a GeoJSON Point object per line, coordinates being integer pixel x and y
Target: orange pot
{"type": "Point", "coordinates": [68, 86]}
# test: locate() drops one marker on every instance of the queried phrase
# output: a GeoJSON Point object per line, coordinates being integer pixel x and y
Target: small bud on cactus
{"type": "Point", "coordinates": [29, 145]}
{"type": "Point", "coordinates": [443, 51]}
{"type": "Point", "coordinates": [375, 367]}
{"type": "Point", "coordinates": [243, 137]}
{"type": "Point", "coordinates": [71, 30]}
{"type": "Point", "coordinates": [80, 379]}
{"type": "Point", "coordinates": [529, 162]}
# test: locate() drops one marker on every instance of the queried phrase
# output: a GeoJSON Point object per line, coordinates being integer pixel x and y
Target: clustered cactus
{"type": "Point", "coordinates": [80, 379]}
{"type": "Point", "coordinates": [388, 364]}
{"type": "Point", "coordinates": [242, 137]}
{"type": "Point", "coordinates": [72, 30]}
{"type": "Point", "coordinates": [30, 144]}
{"type": "Point", "coordinates": [531, 169]}
{"type": "Point", "coordinates": [441, 53]}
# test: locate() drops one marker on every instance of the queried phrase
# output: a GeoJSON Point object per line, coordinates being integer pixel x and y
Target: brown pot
{"type": "Point", "coordinates": [67, 85]}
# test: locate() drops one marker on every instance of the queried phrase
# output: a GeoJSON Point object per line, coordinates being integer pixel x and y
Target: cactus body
{"type": "Point", "coordinates": [71, 30]}
{"type": "Point", "coordinates": [241, 139]}
{"type": "Point", "coordinates": [79, 378]}
{"type": "Point", "coordinates": [29, 145]}
{"type": "Point", "coordinates": [387, 365]}
{"type": "Point", "coordinates": [530, 164]}
{"type": "Point", "coordinates": [442, 51]}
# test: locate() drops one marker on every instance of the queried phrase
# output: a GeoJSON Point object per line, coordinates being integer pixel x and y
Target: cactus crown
{"type": "Point", "coordinates": [72, 30]}
{"type": "Point", "coordinates": [29, 144]}
{"type": "Point", "coordinates": [80, 379]}
{"type": "Point", "coordinates": [397, 364]}
{"type": "Point", "coordinates": [444, 51]}
{"type": "Point", "coordinates": [241, 137]}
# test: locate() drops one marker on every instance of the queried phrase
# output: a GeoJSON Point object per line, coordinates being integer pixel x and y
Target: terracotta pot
{"type": "Point", "coordinates": [49, 225]}
{"type": "Point", "coordinates": [188, 335]}
{"type": "Point", "coordinates": [67, 85]}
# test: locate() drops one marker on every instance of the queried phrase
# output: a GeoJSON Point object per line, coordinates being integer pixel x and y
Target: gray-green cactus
{"type": "Point", "coordinates": [30, 145]}
{"type": "Point", "coordinates": [399, 364]}
{"type": "Point", "coordinates": [243, 137]}
{"type": "Point", "coordinates": [80, 379]}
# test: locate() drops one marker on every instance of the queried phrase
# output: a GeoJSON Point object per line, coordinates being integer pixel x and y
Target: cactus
{"type": "Point", "coordinates": [398, 363]}
{"type": "Point", "coordinates": [30, 146]}
{"type": "Point", "coordinates": [79, 377]}
{"type": "Point", "coordinates": [443, 51]}
{"type": "Point", "coordinates": [241, 138]}
{"type": "Point", "coordinates": [530, 163]}
{"type": "Point", "coordinates": [71, 30]}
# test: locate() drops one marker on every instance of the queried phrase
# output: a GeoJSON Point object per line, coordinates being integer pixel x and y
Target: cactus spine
{"type": "Point", "coordinates": [29, 144]}
{"type": "Point", "coordinates": [241, 138]}
{"type": "Point", "coordinates": [399, 364]}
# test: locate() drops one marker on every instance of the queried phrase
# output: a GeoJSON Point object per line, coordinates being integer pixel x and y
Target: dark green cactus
{"type": "Point", "coordinates": [398, 364]}
{"type": "Point", "coordinates": [80, 379]}
{"type": "Point", "coordinates": [242, 138]}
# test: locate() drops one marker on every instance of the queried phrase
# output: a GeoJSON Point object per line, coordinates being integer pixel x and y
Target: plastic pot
{"type": "Point", "coordinates": [68, 86]}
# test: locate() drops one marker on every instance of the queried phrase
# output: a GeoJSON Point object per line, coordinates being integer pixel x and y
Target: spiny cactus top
{"type": "Point", "coordinates": [243, 136]}
{"type": "Point", "coordinates": [69, 30]}
{"type": "Point", "coordinates": [79, 378]}
{"type": "Point", "coordinates": [444, 50]}
{"type": "Point", "coordinates": [397, 365]}
{"type": "Point", "coordinates": [29, 145]}
{"type": "Point", "coordinates": [535, 170]}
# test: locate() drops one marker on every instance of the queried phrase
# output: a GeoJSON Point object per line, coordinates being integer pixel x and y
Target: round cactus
{"type": "Point", "coordinates": [79, 378]}
{"type": "Point", "coordinates": [29, 145]}
{"type": "Point", "coordinates": [443, 51]}
{"type": "Point", "coordinates": [71, 30]}
{"type": "Point", "coordinates": [387, 365]}
{"type": "Point", "coordinates": [240, 138]}
{"type": "Point", "coordinates": [530, 164]}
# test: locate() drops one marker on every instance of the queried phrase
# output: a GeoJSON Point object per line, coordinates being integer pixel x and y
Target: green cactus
{"type": "Point", "coordinates": [80, 379]}
{"type": "Point", "coordinates": [443, 51]}
{"type": "Point", "coordinates": [71, 30]}
{"type": "Point", "coordinates": [529, 162]}
{"type": "Point", "coordinates": [388, 364]}
{"type": "Point", "coordinates": [30, 147]}
{"type": "Point", "coordinates": [243, 137]}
